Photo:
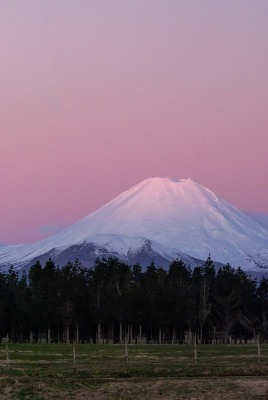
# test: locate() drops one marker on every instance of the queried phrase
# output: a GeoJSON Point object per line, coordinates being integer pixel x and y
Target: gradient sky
{"type": "Point", "coordinates": [97, 95]}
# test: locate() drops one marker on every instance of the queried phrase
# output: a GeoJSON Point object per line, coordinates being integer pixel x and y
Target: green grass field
{"type": "Point", "coordinates": [53, 371]}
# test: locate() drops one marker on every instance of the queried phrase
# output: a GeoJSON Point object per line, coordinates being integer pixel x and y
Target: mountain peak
{"type": "Point", "coordinates": [169, 181]}
{"type": "Point", "coordinates": [180, 214]}
{"type": "Point", "coordinates": [163, 185]}
{"type": "Point", "coordinates": [165, 189]}
{"type": "Point", "coordinates": [166, 180]}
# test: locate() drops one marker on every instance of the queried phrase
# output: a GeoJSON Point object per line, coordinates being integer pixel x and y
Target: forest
{"type": "Point", "coordinates": [112, 302]}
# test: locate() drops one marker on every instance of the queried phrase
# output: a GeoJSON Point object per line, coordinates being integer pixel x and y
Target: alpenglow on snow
{"type": "Point", "coordinates": [159, 219]}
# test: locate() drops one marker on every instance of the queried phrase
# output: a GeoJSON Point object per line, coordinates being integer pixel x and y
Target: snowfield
{"type": "Point", "coordinates": [173, 218]}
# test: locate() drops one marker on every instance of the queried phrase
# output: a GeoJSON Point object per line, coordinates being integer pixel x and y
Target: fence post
{"type": "Point", "coordinates": [74, 357]}
{"type": "Point", "coordinates": [195, 349]}
{"type": "Point", "coordinates": [7, 357]}
{"type": "Point", "coordinates": [126, 351]}
{"type": "Point", "coordinates": [259, 349]}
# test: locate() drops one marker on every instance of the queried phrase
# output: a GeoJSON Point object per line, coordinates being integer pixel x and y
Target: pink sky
{"type": "Point", "coordinates": [99, 95]}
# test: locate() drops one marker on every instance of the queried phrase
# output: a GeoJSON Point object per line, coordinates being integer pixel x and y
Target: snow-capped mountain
{"type": "Point", "coordinates": [161, 219]}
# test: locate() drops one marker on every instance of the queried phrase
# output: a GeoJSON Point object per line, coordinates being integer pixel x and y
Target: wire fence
{"type": "Point", "coordinates": [134, 360]}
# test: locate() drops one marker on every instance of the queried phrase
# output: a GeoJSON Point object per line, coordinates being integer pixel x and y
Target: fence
{"type": "Point", "coordinates": [134, 360]}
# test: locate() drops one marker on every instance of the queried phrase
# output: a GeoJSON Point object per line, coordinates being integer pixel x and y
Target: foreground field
{"type": "Point", "coordinates": [133, 372]}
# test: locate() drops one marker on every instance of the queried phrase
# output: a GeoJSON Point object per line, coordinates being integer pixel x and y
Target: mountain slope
{"type": "Point", "coordinates": [180, 215]}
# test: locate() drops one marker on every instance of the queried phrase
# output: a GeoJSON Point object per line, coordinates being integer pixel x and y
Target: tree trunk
{"type": "Point", "coordinates": [174, 334]}
{"type": "Point", "coordinates": [214, 335]}
{"type": "Point", "coordinates": [112, 334]}
{"type": "Point", "coordinates": [160, 336]}
{"type": "Point", "coordinates": [201, 334]}
{"type": "Point", "coordinates": [99, 333]}
{"type": "Point", "coordinates": [67, 334]}
{"type": "Point", "coordinates": [121, 332]}
{"type": "Point", "coordinates": [190, 337]}
{"type": "Point", "coordinates": [77, 334]}
{"type": "Point", "coordinates": [130, 333]}
{"type": "Point", "coordinates": [48, 336]}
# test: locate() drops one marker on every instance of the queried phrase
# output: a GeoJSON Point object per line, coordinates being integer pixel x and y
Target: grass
{"type": "Point", "coordinates": [43, 371]}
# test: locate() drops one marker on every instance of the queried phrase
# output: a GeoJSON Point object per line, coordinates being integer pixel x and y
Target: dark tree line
{"type": "Point", "coordinates": [112, 301]}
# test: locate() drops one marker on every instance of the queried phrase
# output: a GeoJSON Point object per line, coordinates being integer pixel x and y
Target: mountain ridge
{"type": "Point", "coordinates": [177, 215]}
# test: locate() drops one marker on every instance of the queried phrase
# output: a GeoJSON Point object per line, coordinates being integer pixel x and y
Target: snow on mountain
{"type": "Point", "coordinates": [177, 217]}
{"type": "Point", "coordinates": [261, 218]}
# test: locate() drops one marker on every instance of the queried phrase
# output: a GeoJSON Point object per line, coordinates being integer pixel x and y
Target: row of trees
{"type": "Point", "coordinates": [113, 300]}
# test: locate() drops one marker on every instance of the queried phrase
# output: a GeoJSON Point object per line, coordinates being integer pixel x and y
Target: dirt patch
{"type": "Point", "coordinates": [171, 389]}
{"type": "Point", "coordinates": [258, 387]}
{"type": "Point", "coordinates": [224, 388]}
{"type": "Point", "coordinates": [5, 392]}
